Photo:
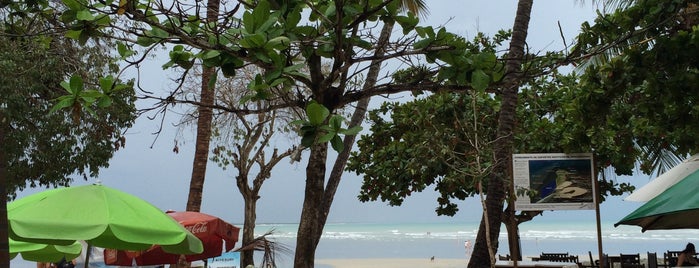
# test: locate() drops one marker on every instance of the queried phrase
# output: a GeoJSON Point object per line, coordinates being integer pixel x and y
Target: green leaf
{"type": "Point", "coordinates": [73, 4]}
{"type": "Point", "coordinates": [279, 43]}
{"type": "Point", "coordinates": [145, 41]}
{"type": "Point", "coordinates": [352, 131]}
{"type": "Point", "coordinates": [84, 15]}
{"type": "Point", "coordinates": [336, 122]}
{"type": "Point", "coordinates": [293, 68]}
{"type": "Point", "coordinates": [65, 85]}
{"type": "Point", "coordinates": [249, 22]}
{"type": "Point", "coordinates": [106, 83]}
{"type": "Point", "coordinates": [159, 33]}
{"type": "Point", "coordinates": [76, 83]}
{"type": "Point", "coordinates": [104, 101]}
{"type": "Point", "coordinates": [124, 50]}
{"type": "Point", "coordinates": [308, 140]}
{"type": "Point", "coordinates": [63, 102]}
{"type": "Point", "coordinates": [407, 23]}
{"type": "Point", "coordinates": [337, 144]}
{"type": "Point", "coordinates": [253, 41]}
{"type": "Point", "coordinates": [259, 15]}
{"type": "Point", "coordinates": [277, 82]}
{"type": "Point", "coordinates": [90, 111]}
{"type": "Point", "coordinates": [84, 36]}
{"type": "Point", "coordinates": [292, 19]}
{"type": "Point", "coordinates": [210, 54]}
{"type": "Point", "coordinates": [102, 20]}
{"type": "Point", "coordinates": [298, 122]}
{"type": "Point", "coordinates": [316, 113]}
{"type": "Point", "coordinates": [480, 80]}
{"type": "Point", "coordinates": [228, 70]}
{"type": "Point", "coordinates": [486, 60]}
{"type": "Point", "coordinates": [327, 137]}
{"type": "Point", "coordinates": [73, 34]}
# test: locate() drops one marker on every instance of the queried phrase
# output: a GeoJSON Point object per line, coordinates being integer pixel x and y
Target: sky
{"type": "Point", "coordinates": [148, 168]}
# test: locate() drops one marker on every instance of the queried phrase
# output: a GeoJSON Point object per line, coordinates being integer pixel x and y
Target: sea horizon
{"type": "Point", "coordinates": [446, 240]}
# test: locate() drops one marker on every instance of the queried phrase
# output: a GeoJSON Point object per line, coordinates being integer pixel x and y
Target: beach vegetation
{"type": "Point", "coordinates": [248, 145]}
{"type": "Point", "coordinates": [282, 38]}
{"type": "Point", "coordinates": [626, 103]}
{"type": "Point", "coordinates": [292, 41]}
{"type": "Point", "coordinates": [41, 69]}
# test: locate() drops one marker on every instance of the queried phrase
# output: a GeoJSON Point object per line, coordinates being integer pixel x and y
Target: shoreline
{"type": "Point", "coordinates": [393, 263]}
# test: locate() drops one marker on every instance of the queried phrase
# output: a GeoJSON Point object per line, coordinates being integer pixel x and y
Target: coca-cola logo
{"type": "Point", "coordinates": [199, 227]}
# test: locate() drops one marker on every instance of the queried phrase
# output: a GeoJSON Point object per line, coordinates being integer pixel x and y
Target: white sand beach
{"type": "Point", "coordinates": [393, 263]}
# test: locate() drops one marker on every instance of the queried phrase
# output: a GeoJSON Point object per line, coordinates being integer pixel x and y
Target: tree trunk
{"type": "Point", "coordinates": [503, 148]}
{"type": "Point", "coordinates": [310, 228]}
{"type": "Point", "coordinates": [303, 258]}
{"type": "Point", "coordinates": [512, 227]}
{"type": "Point", "coordinates": [247, 257]}
{"type": "Point", "coordinates": [4, 240]}
{"type": "Point", "coordinates": [201, 150]}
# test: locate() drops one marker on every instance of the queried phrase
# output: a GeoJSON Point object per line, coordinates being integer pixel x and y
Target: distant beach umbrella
{"type": "Point", "coordinates": [665, 180]}
{"type": "Point", "coordinates": [675, 208]}
{"type": "Point", "coordinates": [212, 231]}
{"type": "Point", "coordinates": [44, 252]}
{"type": "Point", "coordinates": [99, 215]}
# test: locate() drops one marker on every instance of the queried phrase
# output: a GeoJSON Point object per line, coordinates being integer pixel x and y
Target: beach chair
{"type": "Point", "coordinates": [631, 261]}
{"type": "Point", "coordinates": [504, 258]}
{"type": "Point", "coordinates": [593, 263]}
{"type": "Point", "coordinates": [552, 256]}
{"type": "Point", "coordinates": [652, 260]}
{"type": "Point", "coordinates": [670, 258]}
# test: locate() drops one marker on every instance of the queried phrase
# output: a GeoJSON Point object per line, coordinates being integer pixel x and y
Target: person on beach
{"type": "Point", "coordinates": [467, 245]}
{"type": "Point", "coordinates": [686, 257]}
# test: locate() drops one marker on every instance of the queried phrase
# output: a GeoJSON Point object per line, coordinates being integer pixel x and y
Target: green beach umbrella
{"type": "Point", "coordinates": [44, 252]}
{"type": "Point", "coordinates": [99, 215]}
{"type": "Point", "coordinates": [675, 208]}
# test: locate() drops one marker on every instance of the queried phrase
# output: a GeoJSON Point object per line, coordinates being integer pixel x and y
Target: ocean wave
{"type": "Point", "coordinates": [468, 231]}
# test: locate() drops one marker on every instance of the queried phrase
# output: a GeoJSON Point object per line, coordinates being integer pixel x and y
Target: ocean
{"type": "Point", "coordinates": [446, 240]}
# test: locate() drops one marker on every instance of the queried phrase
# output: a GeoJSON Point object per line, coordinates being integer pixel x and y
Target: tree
{"type": "Point", "coordinates": [245, 142]}
{"type": "Point", "coordinates": [620, 131]}
{"type": "Point", "coordinates": [270, 35]}
{"type": "Point", "coordinates": [646, 84]}
{"type": "Point", "coordinates": [502, 151]}
{"type": "Point", "coordinates": [206, 97]}
{"type": "Point", "coordinates": [34, 60]}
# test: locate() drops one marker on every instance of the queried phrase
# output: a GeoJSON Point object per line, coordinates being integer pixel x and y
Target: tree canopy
{"type": "Point", "coordinates": [44, 146]}
{"type": "Point", "coordinates": [42, 72]}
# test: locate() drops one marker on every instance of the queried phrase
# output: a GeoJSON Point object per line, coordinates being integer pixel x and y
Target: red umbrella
{"type": "Point", "coordinates": [212, 231]}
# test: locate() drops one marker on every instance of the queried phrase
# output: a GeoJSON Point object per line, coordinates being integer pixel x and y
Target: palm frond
{"type": "Point", "coordinates": [661, 159]}
{"type": "Point", "coordinates": [418, 7]}
{"type": "Point", "coordinates": [270, 248]}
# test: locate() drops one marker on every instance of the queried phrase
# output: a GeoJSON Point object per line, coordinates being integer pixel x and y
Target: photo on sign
{"type": "Point", "coordinates": [560, 181]}
{"type": "Point", "coordinates": [554, 181]}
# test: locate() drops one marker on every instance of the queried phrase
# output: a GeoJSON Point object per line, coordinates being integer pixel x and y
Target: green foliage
{"type": "Point", "coordinates": [642, 95]}
{"type": "Point", "coordinates": [282, 38]}
{"type": "Point", "coordinates": [47, 146]}
{"type": "Point", "coordinates": [80, 99]}
{"type": "Point", "coordinates": [321, 127]}
{"type": "Point", "coordinates": [426, 141]}
{"type": "Point", "coordinates": [631, 109]}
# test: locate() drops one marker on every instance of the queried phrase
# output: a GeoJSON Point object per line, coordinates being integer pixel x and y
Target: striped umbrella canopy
{"type": "Point", "coordinates": [675, 208]}
{"type": "Point", "coordinates": [665, 180]}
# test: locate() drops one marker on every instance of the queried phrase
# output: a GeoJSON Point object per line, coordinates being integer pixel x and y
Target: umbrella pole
{"type": "Point", "coordinates": [87, 255]}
